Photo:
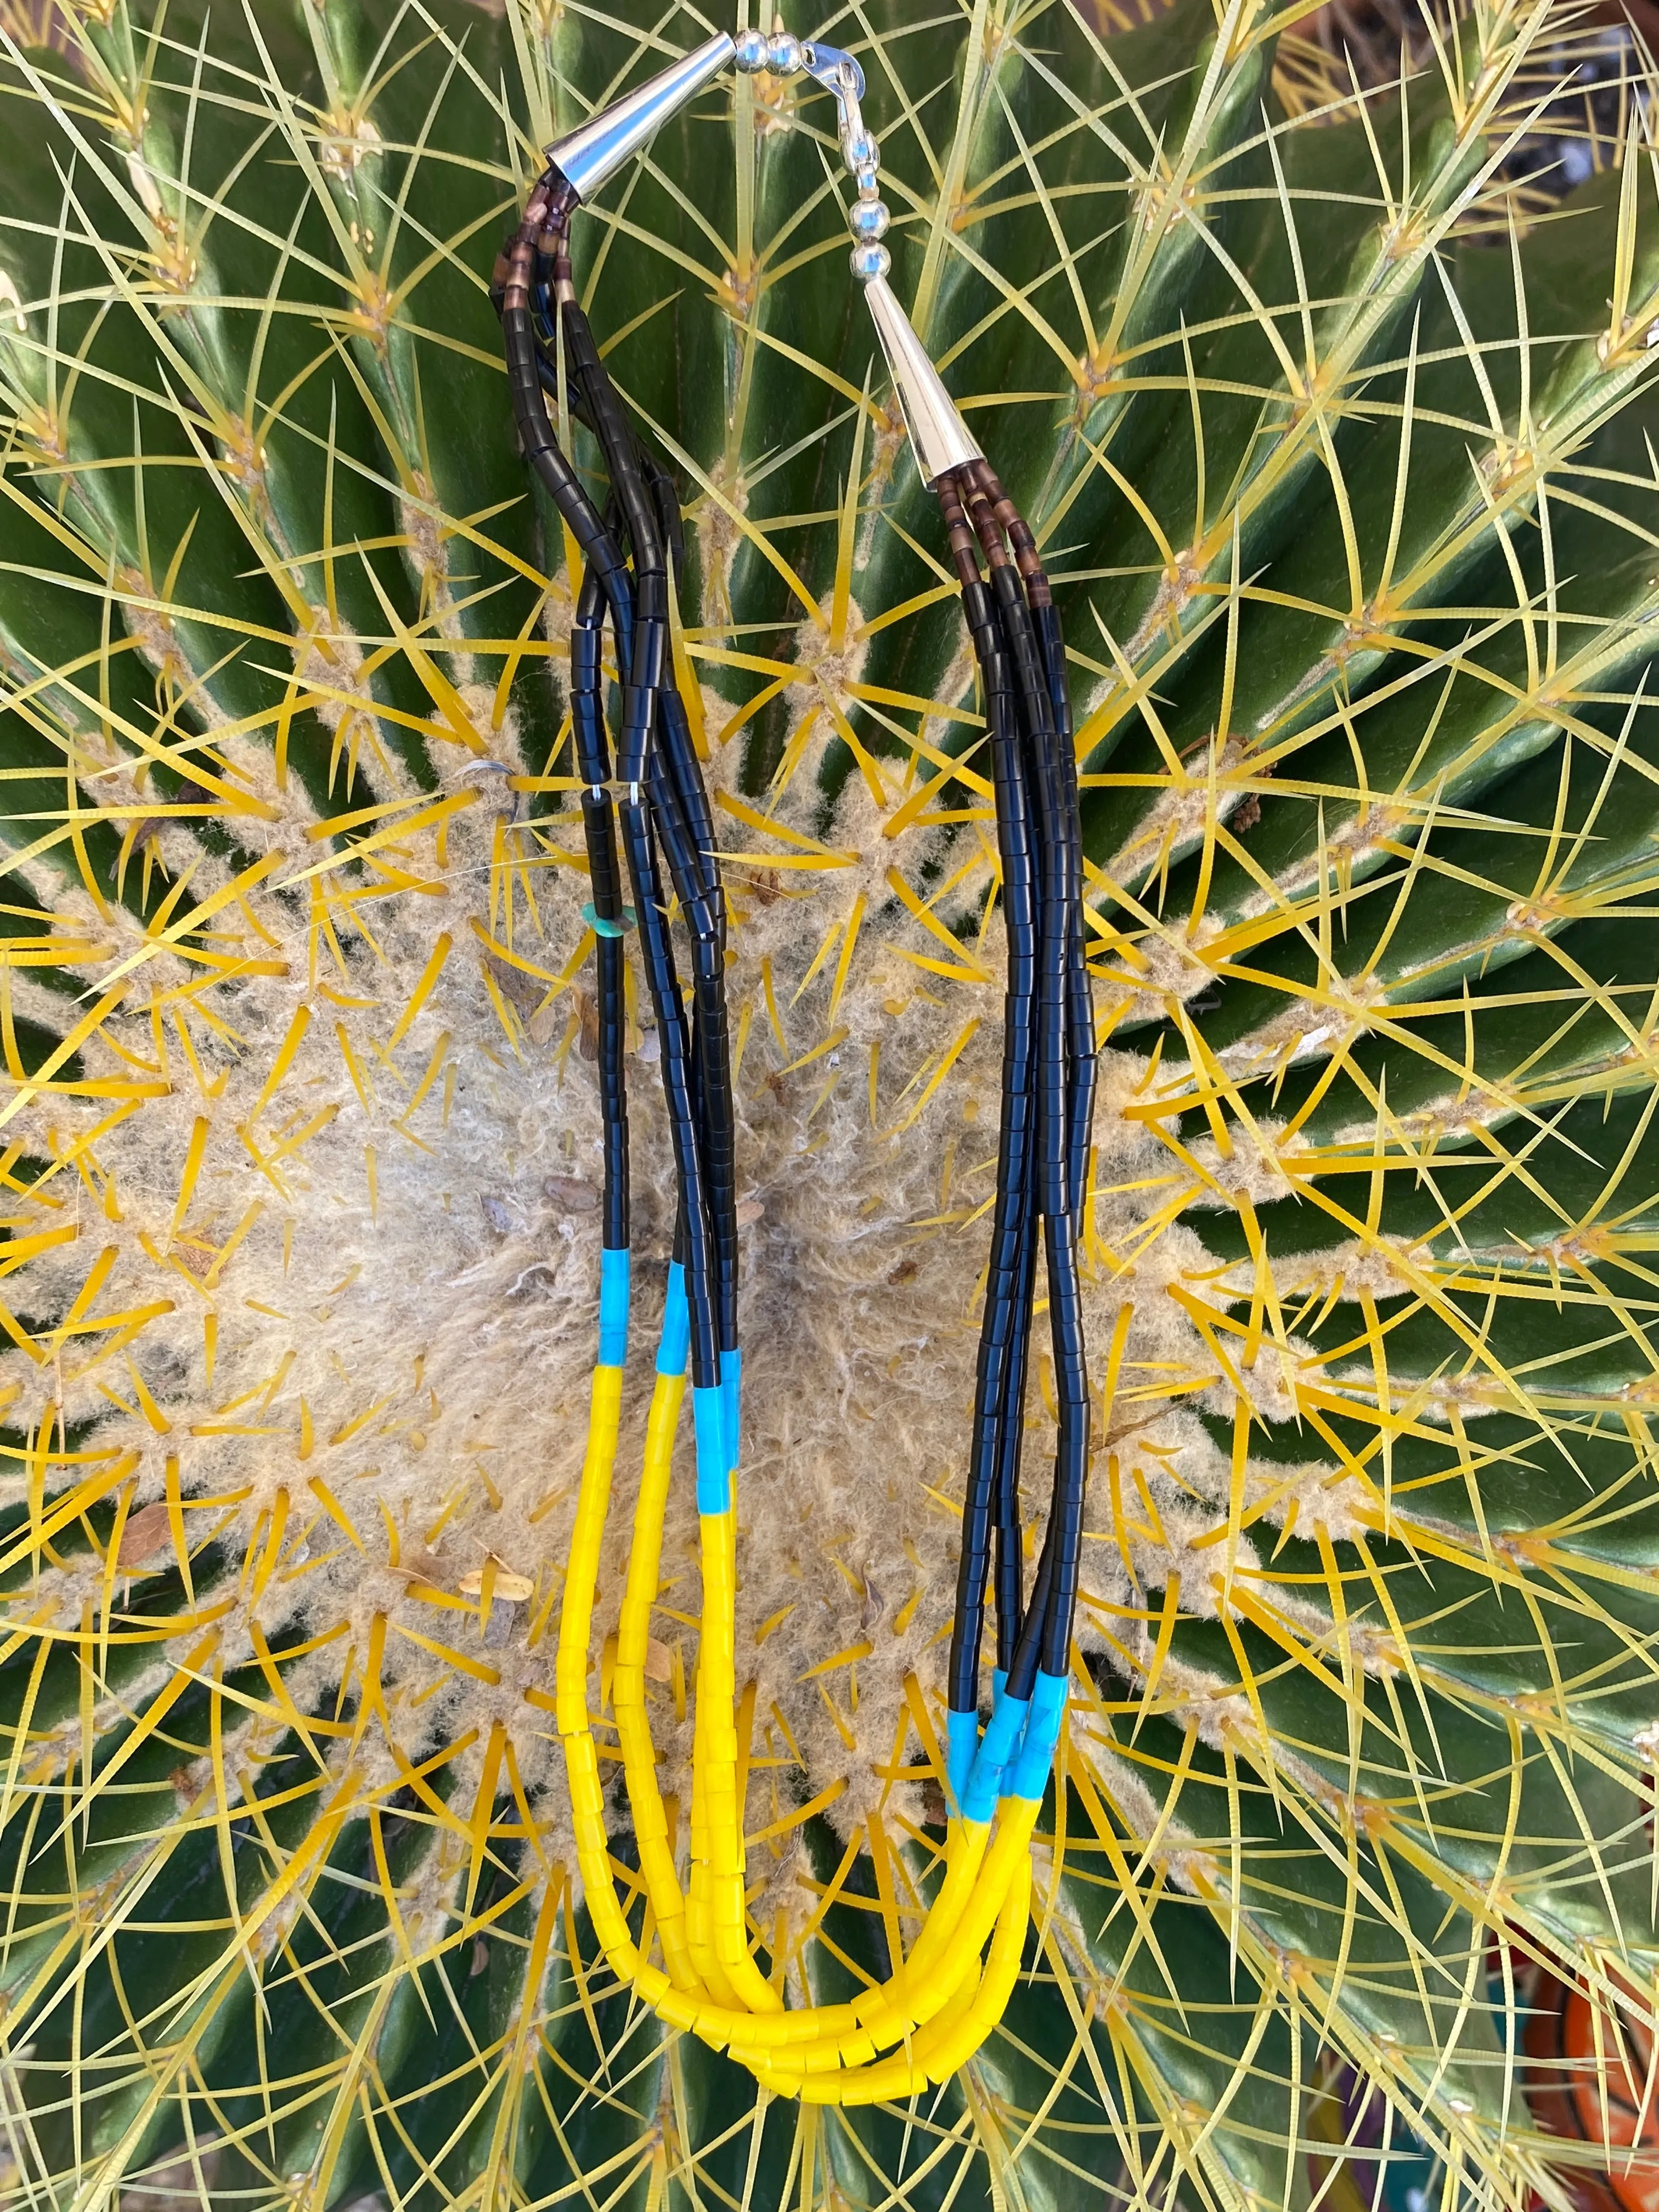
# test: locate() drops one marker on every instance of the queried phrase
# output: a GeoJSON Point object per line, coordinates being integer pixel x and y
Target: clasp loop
{"type": "Point", "coordinates": [835, 72]}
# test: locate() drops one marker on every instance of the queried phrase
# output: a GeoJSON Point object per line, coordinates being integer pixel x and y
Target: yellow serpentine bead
{"type": "Point", "coordinates": [939, 2004]}
{"type": "Point", "coordinates": [698, 1920]}
{"type": "Point", "coordinates": [893, 2013]}
{"type": "Point", "coordinates": [570, 1694]}
{"type": "Point", "coordinates": [721, 1812]}
{"type": "Point", "coordinates": [944, 2047]}
{"type": "Point", "coordinates": [628, 1688]}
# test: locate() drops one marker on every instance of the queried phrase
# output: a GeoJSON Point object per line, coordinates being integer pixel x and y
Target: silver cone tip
{"type": "Point", "coordinates": [587, 156]}
{"type": "Point", "coordinates": [939, 437]}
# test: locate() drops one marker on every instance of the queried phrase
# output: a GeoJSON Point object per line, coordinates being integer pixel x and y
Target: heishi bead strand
{"type": "Point", "coordinates": [1022, 656]}
{"type": "Point", "coordinates": [860, 157]}
{"type": "Point", "coordinates": [943, 1998]}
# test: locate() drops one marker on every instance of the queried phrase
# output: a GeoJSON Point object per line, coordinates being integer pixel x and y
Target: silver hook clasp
{"type": "Point", "coordinates": [835, 72]}
{"type": "Point", "coordinates": [939, 437]}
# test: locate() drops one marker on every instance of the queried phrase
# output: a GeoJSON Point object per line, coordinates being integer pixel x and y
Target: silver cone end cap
{"type": "Point", "coordinates": [939, 437]}
{"type": "Point", "coordinates": [587, 156]}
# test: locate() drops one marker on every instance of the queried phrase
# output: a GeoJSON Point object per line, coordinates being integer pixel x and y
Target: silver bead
{"type": "Point", "coordinates": [870, 262]}
{"type": "Point", "coordinates": [752, 53]}
{"type": "Point", "coordinates": [868, 222]}
{"type": "Point", "coordinates": [783, 55]}
{"type": "Point", "coordinates": [859, 151]}
{"type": "Point", "coordinates": [869, 186]}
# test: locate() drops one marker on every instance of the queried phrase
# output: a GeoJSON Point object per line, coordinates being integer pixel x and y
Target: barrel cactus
{"type": "Point", "coordinates": [1341, 459]}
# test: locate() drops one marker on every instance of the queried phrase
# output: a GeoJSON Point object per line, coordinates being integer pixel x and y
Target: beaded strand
{"type": "Point", "coordinates": [943, 1999]}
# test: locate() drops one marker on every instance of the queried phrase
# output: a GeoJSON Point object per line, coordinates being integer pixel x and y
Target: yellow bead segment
{"type": "Point", "coordinates": [948, 2043]}
{"type": "Point", "coordinates": [699, 1922]}
{"type": "Point", "coordinates": [570, 1681]}
{"type": "Point", "coordinates": [582, 1571]}
{"type": "Point", "coordinates": [662, 1886]}
{"type": "Point", "coordinates": [923, 1989]}
{"type": "Point", "coordinates": [940, 2003]}
{"type": "Point", "coordinates": [722, 1815]}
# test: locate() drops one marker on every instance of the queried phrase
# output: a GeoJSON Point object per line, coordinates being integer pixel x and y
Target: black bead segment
{"type": "Point", "coordinates": [653, 792]}
{"type": "Point", "coordinates": [1047, 1099]}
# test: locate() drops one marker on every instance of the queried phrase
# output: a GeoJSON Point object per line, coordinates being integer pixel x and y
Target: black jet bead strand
{"type": "Point", "coordinates": [605, 579]}
{"type": "Point", "coordinates": [1081, 1065]}
{"type": "Point", "coordinates": [1057, 1604]}
{"type": "Point", "coordinates": [638, 608]}
{"type": "Point", "coordinates": [719, 1130]}
{"type": "Point", "coordinates": [600, 827]}
{"type": "Point", "coordinates": [593, 400]}
{"type": "Point", "coordinates": [1064, 1535]}
{"type": "Point", "coordinates": [1037, 721]}
{"type": "Point", "coordinates": [547, 209]}
{"type": "Point", "coordinates": [717, 1106]}
{"type": "Point", "coordinates": [666, 1003]}
{"type": "Point", "coordinates": [1045, 1634]}
{"type": "Point", "coordinates": [1010, 1442]}
{"type": "Point", "coordinates": [681, 819]}
{"type": "Point", "coordinates": [998, 1382]}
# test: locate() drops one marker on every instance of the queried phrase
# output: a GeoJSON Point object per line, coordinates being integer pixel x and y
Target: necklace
{"type": "Point", "coordinates": [650, 806]}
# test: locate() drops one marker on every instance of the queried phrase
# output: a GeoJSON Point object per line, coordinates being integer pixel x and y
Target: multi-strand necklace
{"type": "Point", "coordinates": [645, 808]}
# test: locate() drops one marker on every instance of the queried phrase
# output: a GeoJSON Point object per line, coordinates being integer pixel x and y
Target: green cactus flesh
{"type": "Point", "coordinates": [1344, 472]}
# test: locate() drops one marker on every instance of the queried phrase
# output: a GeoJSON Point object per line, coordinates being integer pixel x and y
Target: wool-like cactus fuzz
{"type": "Point", "coordinates": [1337, 441]}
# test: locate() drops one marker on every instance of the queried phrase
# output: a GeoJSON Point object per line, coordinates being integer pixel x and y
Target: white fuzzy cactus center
{"type": "Point", "coordinates": [311, 1283]}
